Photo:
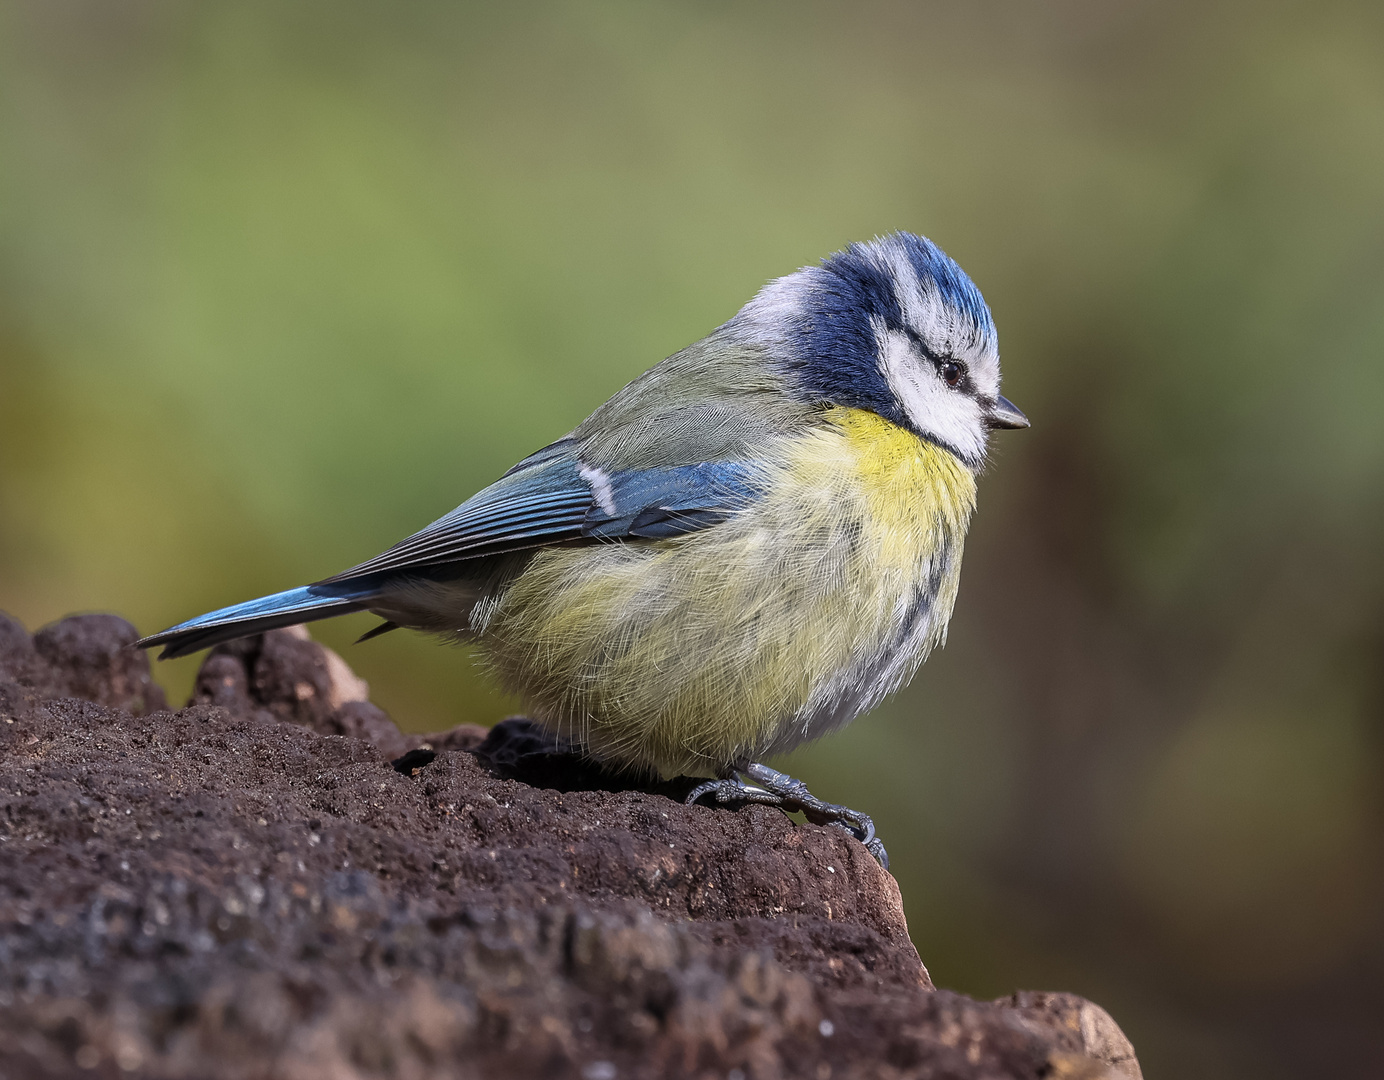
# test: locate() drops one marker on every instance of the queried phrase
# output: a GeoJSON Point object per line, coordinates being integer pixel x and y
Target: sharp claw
{"type": "Point", "coordinates": [863, 829]}
{"type": "Point", "coordinates": [774, 788]}
{"type": "Point", "coordinates": [700, 790]}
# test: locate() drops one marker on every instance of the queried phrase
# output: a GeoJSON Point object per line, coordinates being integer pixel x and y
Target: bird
{"type": "Point", "coordinates": [741, 551]}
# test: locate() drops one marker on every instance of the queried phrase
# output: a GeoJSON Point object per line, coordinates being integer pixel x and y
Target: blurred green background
{"type": "Point", "coordinates": [281, 282]}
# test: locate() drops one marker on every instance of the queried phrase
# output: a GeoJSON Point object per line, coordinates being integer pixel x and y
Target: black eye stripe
{"type": "Point", "coordinates": [963, 379]}
{"type": "Point", "coordinates": [920, 344]}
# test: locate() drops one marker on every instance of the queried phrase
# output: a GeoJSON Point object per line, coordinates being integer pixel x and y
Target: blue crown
{"type": "Point", "coordinates": [834, 338]}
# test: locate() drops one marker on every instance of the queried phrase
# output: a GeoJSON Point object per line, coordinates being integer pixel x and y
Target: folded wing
{"type": "Point", "coordinates": [554, 497]}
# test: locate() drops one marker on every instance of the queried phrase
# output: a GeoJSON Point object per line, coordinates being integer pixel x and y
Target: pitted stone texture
{"type": "Point", "coordinates": [86, 656]}
{"type": "Point", "coordinates": [225, 891]}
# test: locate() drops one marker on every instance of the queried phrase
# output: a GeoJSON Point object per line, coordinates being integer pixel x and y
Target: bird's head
{"type": "Point", "coordinates": [896, 327]}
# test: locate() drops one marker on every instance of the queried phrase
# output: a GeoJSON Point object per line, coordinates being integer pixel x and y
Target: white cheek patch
{"type": "Point", "coordinates": [946, 331]}
{"type": "Point", "coordinates": [951, 418]}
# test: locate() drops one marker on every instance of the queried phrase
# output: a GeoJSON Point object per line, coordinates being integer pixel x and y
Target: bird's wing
{"type": "Point", "coordinates": [555, 497]}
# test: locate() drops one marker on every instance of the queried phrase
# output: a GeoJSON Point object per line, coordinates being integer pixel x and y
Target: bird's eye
{"type": "Point", "coordinates": [952, 372]}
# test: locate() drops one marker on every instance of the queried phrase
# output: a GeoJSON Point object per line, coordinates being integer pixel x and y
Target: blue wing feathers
{"type": "Point", "coordinates": [726, 485]}
{"type": "Point", "coordinates": [543, 500]}
{"type": "Point", "coordinates": [546, 500]}
{"type": "Point", "coordinates": [304, 599]}
{"type": "Point", "coordinates": [655, 504]}
{"type": "Point", "coordinates": [255, 617]}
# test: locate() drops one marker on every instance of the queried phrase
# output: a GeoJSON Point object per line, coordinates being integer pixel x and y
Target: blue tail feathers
{"type": "Point", "coordinates": [308, 604]}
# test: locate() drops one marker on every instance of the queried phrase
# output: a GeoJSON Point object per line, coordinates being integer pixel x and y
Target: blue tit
{"type": "Point", "coordinates": [743, 550]}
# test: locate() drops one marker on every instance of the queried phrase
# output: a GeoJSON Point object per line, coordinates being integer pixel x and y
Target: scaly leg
{"type": "Point", "coordinates": [773, 788]}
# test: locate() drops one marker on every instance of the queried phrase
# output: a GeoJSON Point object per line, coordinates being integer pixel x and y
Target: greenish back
{"type": "Point", "coordinates": [716, 400]}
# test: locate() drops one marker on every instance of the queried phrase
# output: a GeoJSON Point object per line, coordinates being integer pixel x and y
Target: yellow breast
{"type": "Point", "coordinates": [686, 655]}
{"type": "Point", "coordinates": [909, 489]}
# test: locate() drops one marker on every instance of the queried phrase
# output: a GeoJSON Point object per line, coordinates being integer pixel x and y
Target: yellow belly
{"type": "Point", "coordinates": [689, 654]}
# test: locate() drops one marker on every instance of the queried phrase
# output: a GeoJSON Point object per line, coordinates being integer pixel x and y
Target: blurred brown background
{"type": "Point", "coordinates": [280, 283]}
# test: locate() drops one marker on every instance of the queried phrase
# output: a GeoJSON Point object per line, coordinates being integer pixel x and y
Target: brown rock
{"type": "Point", "coordinates": [1100, 1037]}
{"type": "Point", "coordinates": [248, 887]}
{"type": "Point", "coordinates": [93, 657]}
{"type": "Point", "coordinates": [296, 679]}
{"type": "Point", "coordinates": [25, 678]}
{"type": "Point", "coordinates": [223, 680]}
{"type": "Point", "coordinates": [86, 656]}
{"type": "Point", "coordinates": [19, 661]}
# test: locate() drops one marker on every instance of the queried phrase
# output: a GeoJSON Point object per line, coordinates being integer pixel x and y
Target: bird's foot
{"type": "Point", "coordinates": [773, 788]}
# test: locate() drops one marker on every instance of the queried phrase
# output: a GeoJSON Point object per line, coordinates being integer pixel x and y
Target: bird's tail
{"type": "Point", "coordinates": [308, 604]}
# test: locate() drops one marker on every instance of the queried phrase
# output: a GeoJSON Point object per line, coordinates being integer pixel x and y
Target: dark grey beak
{"type": "Point", "coordinates": [1005, 414]}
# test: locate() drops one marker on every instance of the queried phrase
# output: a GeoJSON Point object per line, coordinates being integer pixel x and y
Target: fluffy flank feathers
{"type": "Point", "coordinates": [678, 656]}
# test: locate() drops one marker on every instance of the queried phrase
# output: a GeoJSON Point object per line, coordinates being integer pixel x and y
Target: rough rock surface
{"type": "Point", "coordinates": [275, 882]}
